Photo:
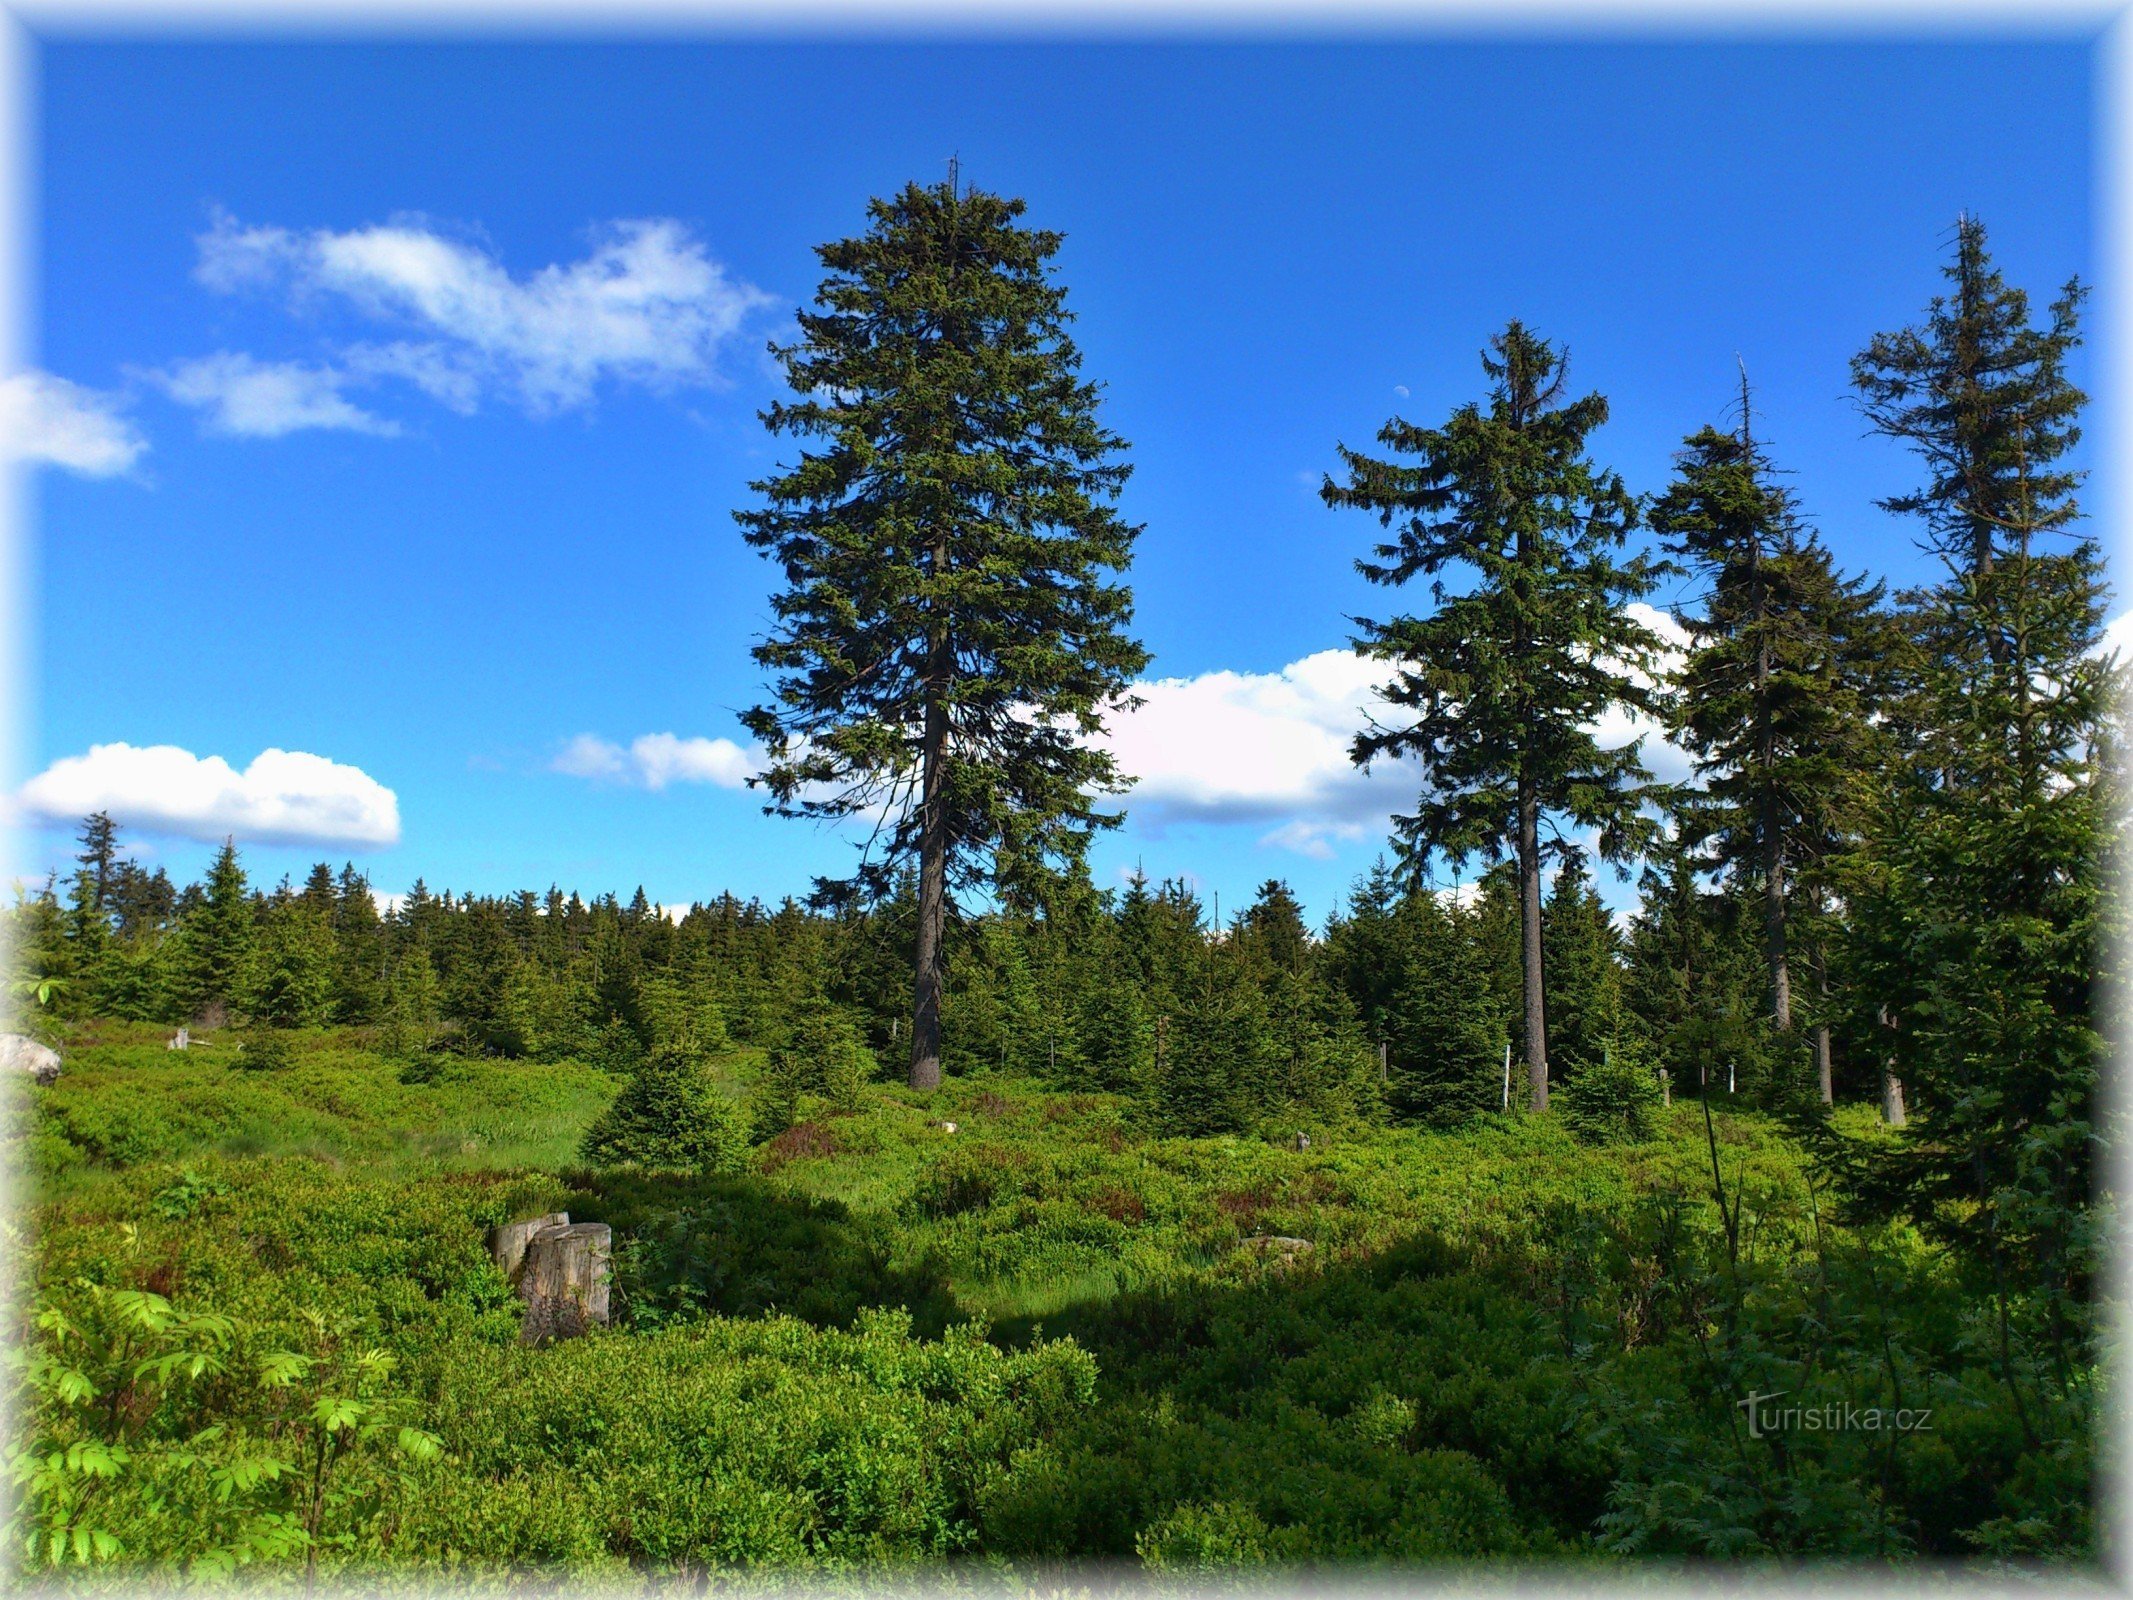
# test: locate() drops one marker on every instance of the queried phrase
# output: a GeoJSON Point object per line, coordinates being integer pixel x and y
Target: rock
{"type": "Point", "coordinates": [945, 1127]}
{"type": "Point", "coordinates": [564, 1281]}
{"type": "Point", "coordinates": [507, 1244]}
{"type": "Point", "coordinates": [21, 1054]}
{"type": "Point", "coordinates": [1303, 1141]}
{"type": "Point", "coordinates": [181, 1040]}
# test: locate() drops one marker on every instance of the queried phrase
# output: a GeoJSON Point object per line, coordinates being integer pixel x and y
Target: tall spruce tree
{"type": "Point", "coordinates": [1980, 906]}
{"type": "Point", "coordinates": [950, 632]}
{"type": "Point", "coordinates": [220, 933]}
{"type": "Point", "coordinates": [99, 862]}
{"type": "Point", "coordinates": [1775, 692]}
{"type": "Point", "coordinates": [1983, 399]}
{"type": "Point", "coordinates": [89, 916]}
{"type": "Point", "coordinates": [1507, 679]}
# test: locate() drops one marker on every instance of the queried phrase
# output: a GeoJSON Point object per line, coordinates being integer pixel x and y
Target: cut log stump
{"type": "Point", "coordinates": [507, 1244]}
{"type": "Point", "coordinates": [560, 1269]}
{"type": "Point", "coordinates": [564, 1281]}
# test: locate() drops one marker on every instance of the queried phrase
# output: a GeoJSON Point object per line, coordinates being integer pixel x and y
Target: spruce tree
{"type": "Point", "coordinates": [1117, 1038]}
{"type": "Point", "coordinates": [290, 983]}
{"type": "Point", "coordinates": [1980, 905]}
{"type": "Point", "coordinates": [88, 920]}
{"type": "Point", "coordinates": [1775, 692]}
{"type": "Point", "coordinates": [1506, 680]}
{"type": "Point", "coordinates": [1682, 980]}
{"type": "Point", "coordinates": [359, 949]}
{"type": "Point", "coordinates": [411, 1003]}
{"type": "Point", "coordinates": [219, 937]}
{"type": "Point", "coordinates": [1416, 974]}
{"type": "Point", "coordinates": [141, 902]}
{"type": "Point", "coordinates": [1584, 974]}
{"type": "Point", "coordinates": [949, 634]}
{"type": "Point", "coordinates": [1219, 1058]}
{"type": "Point", "coordinates": [99, 867]}
{"type": "Point", "coordinates": [1272, 929]}
{"type": "Point", "coordinates": [669, 1118]}
{"type": "Point", "coordinates": [1982, 398]}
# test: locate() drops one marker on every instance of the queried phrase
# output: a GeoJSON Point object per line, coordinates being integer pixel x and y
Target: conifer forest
{"type": "Point", "coordinates": [964, 1214]}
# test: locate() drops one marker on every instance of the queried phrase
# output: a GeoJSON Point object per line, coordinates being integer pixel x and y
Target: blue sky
{"type": "Point", "coordinates": [354, 460]}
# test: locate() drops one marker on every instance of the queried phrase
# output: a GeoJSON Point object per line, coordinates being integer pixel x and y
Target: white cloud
{"type": "Point", "coordinates": [48, 419]}
{"type": "Point", "coordinates": [267, 399]}
{"type": "Point", "coordinates": [387, 904]}
{"type": "Point", "coordinates": [1258, 746]}
{"type": "Point", "coordinates": [654, 760]}
{"type": "Point", "coordinates": [1272, 748]}
{"type": "Point", "coordinates": [283, 797]}
{"type": "Point", "coordinates": [1315, 839]}
{"type": "Point", "coordinates": [648, 306]}
{"type": "Point", "coordinates": [1264, 748]}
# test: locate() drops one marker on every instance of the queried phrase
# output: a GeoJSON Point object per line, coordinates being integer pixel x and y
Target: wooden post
{"type": "Point", "coordinates": [1507, 1075]}
{"type": "Point", "coordinates": [1384, 1063]}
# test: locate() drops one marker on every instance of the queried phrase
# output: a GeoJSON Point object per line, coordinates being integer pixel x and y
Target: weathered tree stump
{"type": "Point", "coordinates": [560, 1269]}
{"type": "Point", "coordinates": [181, 1040]}
{"type": "Point", "coordinates": [21, 1054]}
{"type": "Point", "coordinates": [507, 1244]}
{"type": "Point", "coordinates": [564, 1280]}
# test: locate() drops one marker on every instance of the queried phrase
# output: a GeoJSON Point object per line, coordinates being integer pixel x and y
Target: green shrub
{"type": "Point", "coordinates": [821, 1052]}
{"type": "Point", "coordinates": [188, 1439]}
{"type": "Point", "coordinates": [1204, 1538]}
{"type": "Point", "coordinates": [669, 1118]}
{"type": "Point", "coordinates": [184, 1198]}
{"type": "Point", "coordinates": [263, 1049]}
{"type": "Point", "coordinates": [1614, 1099]}
{"type": "Point", "coordinates": [965, 1179]}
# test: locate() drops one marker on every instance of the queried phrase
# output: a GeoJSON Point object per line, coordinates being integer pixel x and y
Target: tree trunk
{"type": "Point", "coordinates": [1774, 927]}
{"type": "Point", "coordinates": [1891, 1098]}
{"type": "Point", "coordinates": [1891, 1086]}
{"type": "Point", "coordinates": [1529, 928]}
{"type": "Point", "coordinates": [932, 904]}
{"type": "Point", "coordinates": [1825, 1074]}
